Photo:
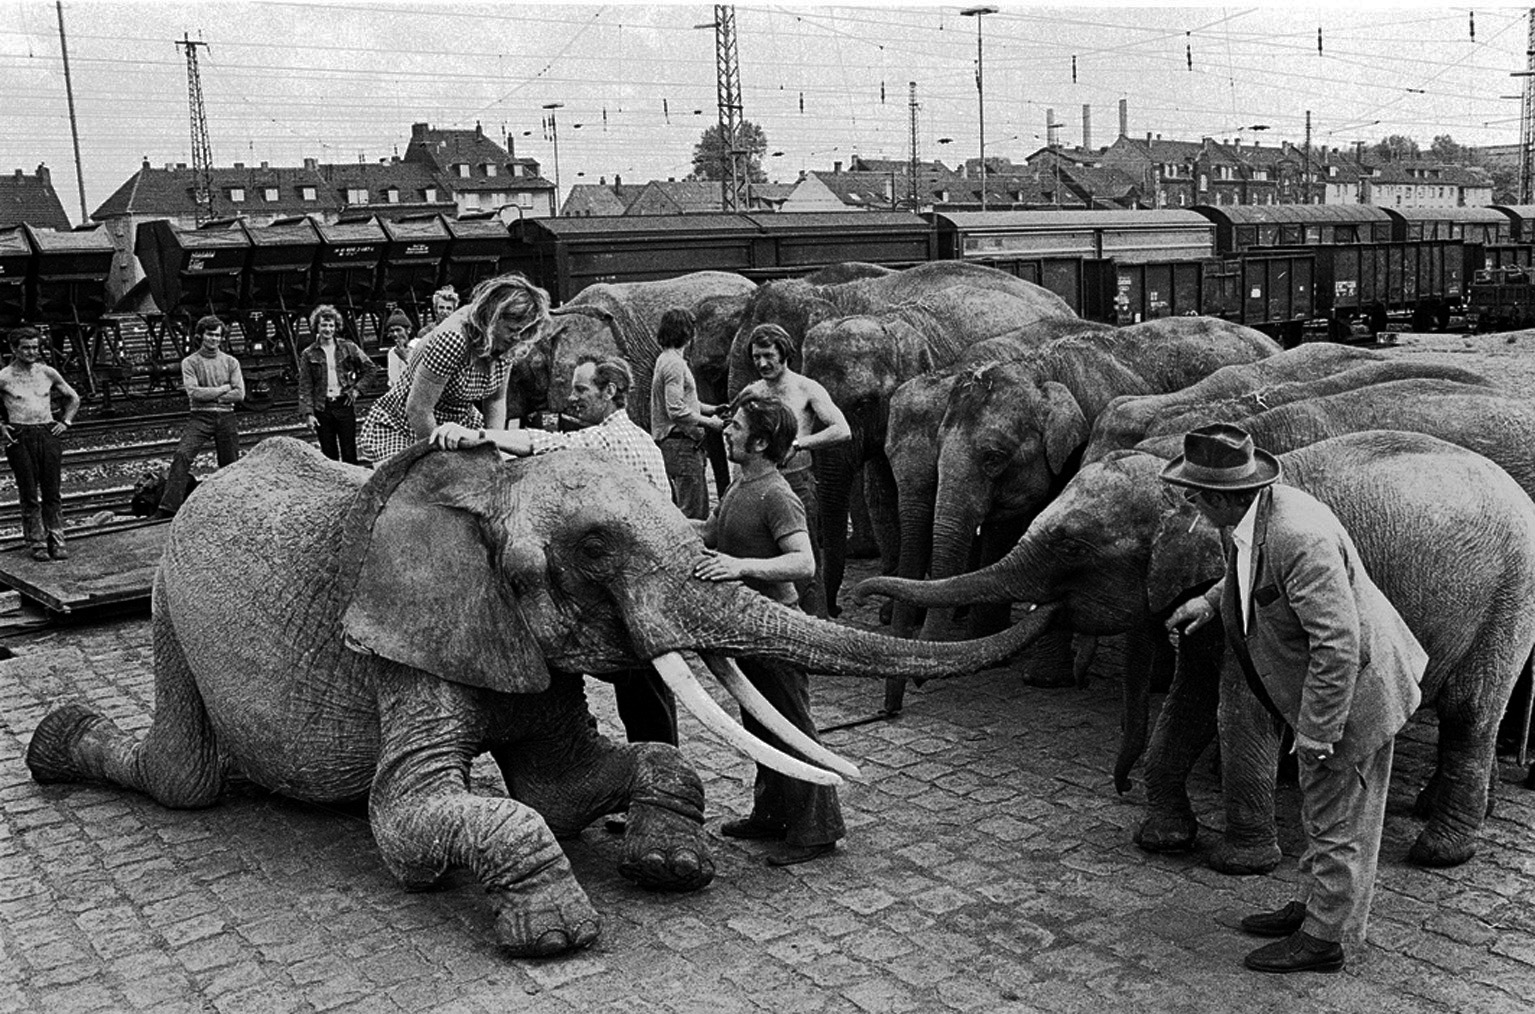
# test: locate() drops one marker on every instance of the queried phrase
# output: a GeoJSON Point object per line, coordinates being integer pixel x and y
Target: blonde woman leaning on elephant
{"type": "Point", "coordinates": [459, 372]}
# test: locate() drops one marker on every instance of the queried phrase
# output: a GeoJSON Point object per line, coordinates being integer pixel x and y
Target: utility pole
{"type": "Point", "coordinates": [74, 129]}
{"type": "Point", "coordinates": [1527, 121]}
{"type": "Point", "coordinates": [980, 89]}
{"type": "Point", "coordinates": [202, 153]}
{"type": "Point", "coordinates": [912, 190]}
{"type": "Point", "coordinates": [735, 194]}
{"type": "Point", "coordinates": [554, 135]}
{"type": "Point", "coordinates": [1306, 197]}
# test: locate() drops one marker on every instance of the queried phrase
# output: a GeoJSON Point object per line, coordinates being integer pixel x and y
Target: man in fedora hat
{"type": "Point", "coordinates": [1324, 651]}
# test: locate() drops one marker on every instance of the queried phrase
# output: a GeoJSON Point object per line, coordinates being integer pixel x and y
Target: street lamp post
{"type": "Point", "coordinates": [554, 134]}
{"type": "Point", "coordinates": [980, 91]}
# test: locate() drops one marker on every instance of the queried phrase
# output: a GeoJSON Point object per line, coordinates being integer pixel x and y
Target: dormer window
{"type": "Point", "coordinates": [269, 195]}
{"type": "Point", "coordinates": [490, 169]}
{"type": "Point", "coordinates": [516, 170]}
{"type": "Point", "coordinates": [306, 193]}
{"type": "Point", "coordinates": [430, 195]}
{"type": "Point", "coordinates": [356, 195]}
{"type": "Point", "coordinates": [392, 195]}
{"type": "Point", "coordinates": [462, 169]}
{"type": "Point", "coordinates": [237, 195]}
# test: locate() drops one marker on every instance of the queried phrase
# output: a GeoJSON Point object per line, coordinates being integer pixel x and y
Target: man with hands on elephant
{"type": "Point", "coordinates": [1324, 650]}
{"type": "Point", "coordinates": [599, 392]}
{"type": "Point", "coordinates": [820, 424]}
{"type": "Point", "coordinates": [757, 535]}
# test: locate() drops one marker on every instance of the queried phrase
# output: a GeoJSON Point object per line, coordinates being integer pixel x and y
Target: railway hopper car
{"type": "Point", "coordinates": [1501, 293]}
{"type": "Point", "coordinates": [56, 281]}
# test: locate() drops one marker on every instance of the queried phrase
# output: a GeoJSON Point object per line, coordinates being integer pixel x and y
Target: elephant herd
{"type": "Point", "coordinates": [397, 623]}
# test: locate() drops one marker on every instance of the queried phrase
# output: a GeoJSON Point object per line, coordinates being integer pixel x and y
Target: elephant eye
{"type": "Point", "coordinates": [1073, 549]}
{"type": "Point", "coordinates": [594, 546]}
{"type": "Point", "coordinates": [993, 461]}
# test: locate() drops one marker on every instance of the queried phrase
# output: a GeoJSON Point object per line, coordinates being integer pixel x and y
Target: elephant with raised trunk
{"type": "Point", "coordinates": [1236, 392]}
{"type": "Point", "coordinates": [1444, 532]}
{"type": "Point", "coordinates": [863, 359]}
{"type": "Point", "coordinates": [1015, 415]}
{"type": "Point", "coordinates": [333, 634]}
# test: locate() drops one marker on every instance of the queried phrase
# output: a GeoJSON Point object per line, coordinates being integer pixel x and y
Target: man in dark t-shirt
{"type": "Point", "coordinates": [757, 535]}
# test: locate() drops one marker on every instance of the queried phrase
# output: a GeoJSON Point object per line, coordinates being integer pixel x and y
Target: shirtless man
{"type": "Point", "coordinates": [32, 444]}
{"type": "Point", "coordinates": [821, 425]}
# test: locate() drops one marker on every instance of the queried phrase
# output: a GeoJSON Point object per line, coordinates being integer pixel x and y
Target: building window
{"type": "Point", "coordinates": [430, 194]}
{"type": "Point", "coordinates": [517, 170]}
{"type": "Point", "coordinates": [306, 193]}
{"type": "Point", "coordinates": [392, 195]}
{"type": "Point", "coordinates": [462, 168]}
{"type": "Point", "coordinates": [237, 195]}
{"type": "Point", "coordinates": [525, 199]}
{"type": "Point", "coordinates": [490, 169]}
{"type": "Point", "coordinates": [269, 195]}
{"type": "Point", "coordinates": [356, 195]}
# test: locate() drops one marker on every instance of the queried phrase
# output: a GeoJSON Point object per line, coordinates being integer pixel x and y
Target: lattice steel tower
{"type": "Point", "coordinates": [735, 194]}
{"type": "Point", "coordinates": [1527, 121]}
{"type": "Point", "coordinates": [202, 153]}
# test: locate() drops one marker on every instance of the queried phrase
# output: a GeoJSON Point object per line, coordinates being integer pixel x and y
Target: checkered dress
{"type": "Point", "coordinates": [618, 436]}
{"type": "Point", "coordinates": [386, 432]}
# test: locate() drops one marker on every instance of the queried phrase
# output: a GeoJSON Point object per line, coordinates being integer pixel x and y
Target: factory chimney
{"type": "Point", "coordinates": [1051, 139]}
{"type": "Point", "coordinates": [1087, 126]}
{"type": "Point", "coordinates": [1124, 117]}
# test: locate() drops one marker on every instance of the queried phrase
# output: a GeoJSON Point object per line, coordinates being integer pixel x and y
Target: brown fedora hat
{"type": "Point", "coordinates": [1221, 457]}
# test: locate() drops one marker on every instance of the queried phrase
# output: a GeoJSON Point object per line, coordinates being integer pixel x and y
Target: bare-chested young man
{"type": "Point", "coordinates": [32, 444]}
{"type": "Point", "coordinates": [821, 425]}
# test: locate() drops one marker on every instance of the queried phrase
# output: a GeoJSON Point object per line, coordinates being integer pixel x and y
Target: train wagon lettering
{"type": "Point", "coordinates": [1346, 288]}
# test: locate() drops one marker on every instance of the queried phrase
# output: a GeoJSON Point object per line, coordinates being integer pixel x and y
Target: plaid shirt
{"type": "Point", "coordinates": [618, 436]}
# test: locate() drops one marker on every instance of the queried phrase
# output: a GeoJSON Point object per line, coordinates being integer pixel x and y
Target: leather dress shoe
{"type": "Point", "coordinates": [796, 854]}
{"type": "Point", "coordinates": [58, 553]}
{"type": "Point", "coordinates": [1298, 952]}
{"type": "Point", "coordinates": [1276, 924]}
{"type": "Point", "coordinates": [40, 553]}
{"type": "Point", "coordinates": [750, 830]}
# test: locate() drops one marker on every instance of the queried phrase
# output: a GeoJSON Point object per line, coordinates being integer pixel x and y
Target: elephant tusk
{"type": "Point", "coordinates": [676, 674]}
{"type": "Point", "coordinates": [753, 703]}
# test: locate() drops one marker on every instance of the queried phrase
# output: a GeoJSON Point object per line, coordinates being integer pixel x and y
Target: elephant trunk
{"type": "Point", "coordinates": [955, 521]}
{"type": "Point", "coordinates": [996, 583]}
{"type": "Point", "coordinates": [834, 470]}
{"type": "Point", "coordinates": [916, 520]}
{"type": "Point", "coordinates": [736, 621]}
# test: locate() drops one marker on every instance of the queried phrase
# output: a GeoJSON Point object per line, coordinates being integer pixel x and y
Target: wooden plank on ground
{"type": "Point", "coordinates": [106, 566]}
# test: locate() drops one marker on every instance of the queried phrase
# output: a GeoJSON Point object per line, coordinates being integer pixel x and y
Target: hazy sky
{"type": "Point", "coordinates": [344, 80]}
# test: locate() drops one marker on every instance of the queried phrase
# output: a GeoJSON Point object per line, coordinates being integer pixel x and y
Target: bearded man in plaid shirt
{"type": "Point", "coordinates": [599, 392]}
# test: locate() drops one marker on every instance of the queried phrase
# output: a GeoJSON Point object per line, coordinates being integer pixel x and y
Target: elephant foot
{"type": "Point", "coordinates": [51, 754]}
{"type": "Point", "coordinates": [1439, 847]}
{"type": "Point", "coordinates": [1242, 860]}
{"type": "Point", "coordinates": [665, 850]}
{"type": "Point", "coordinates": [1167, 833]}
{"type": "Point", "coordinates": [544, 930]}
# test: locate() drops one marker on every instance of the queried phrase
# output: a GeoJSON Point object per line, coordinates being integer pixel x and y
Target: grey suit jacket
{"type": "Point", "coordinates": [1337, 660]}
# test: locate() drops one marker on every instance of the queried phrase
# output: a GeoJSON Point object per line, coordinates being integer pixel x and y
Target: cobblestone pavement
{"type": "Point", "coordinates": [988, 867]}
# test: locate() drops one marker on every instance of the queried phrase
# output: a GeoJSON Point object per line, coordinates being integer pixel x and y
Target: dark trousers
{"type": "Point", "coordinates": [812, 590]}
{"type": "Point", "coordinates": [809, 814]}
{"type": "Point", "coordinates": [201, 427]}
{"type": "Point", "coordinates": [337, 430]}
{"type": "Point", "coordinates": [684, 459]}
{"type": "Point", "coordinates": [646, 706]}
{"type": "Point", "coordinates": [36, 457]}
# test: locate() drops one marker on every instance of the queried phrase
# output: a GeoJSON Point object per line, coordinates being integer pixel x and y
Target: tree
{"type": "Point", "coordinates": [711, 161]}
{"type": "Point", "coordinates": [1444, 149]}
{"type": "Point", "coordinates": [1395, 148]}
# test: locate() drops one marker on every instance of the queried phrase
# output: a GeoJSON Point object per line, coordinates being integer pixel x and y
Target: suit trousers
{"type": "Point", "coordinates": [1343, 811]}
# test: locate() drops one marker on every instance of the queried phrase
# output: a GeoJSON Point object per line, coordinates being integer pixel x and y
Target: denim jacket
{"type": "Point", "coordinates": [353, 370]}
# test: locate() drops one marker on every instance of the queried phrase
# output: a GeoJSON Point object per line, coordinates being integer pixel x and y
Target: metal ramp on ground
{"type": "Point", "coordinates": [108, 566]}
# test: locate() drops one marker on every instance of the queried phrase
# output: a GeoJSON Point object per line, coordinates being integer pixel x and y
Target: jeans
{"type": "Point", "coordinates": [337, 430]}
{"type": "Point", "coordinates": [201, 427]}
{"type": "Point", "coordinates": [36, 457]}
{"type": "Point", "coordinates": [812, 590]}
{"type": "Point", "coordinates": [684, 459]}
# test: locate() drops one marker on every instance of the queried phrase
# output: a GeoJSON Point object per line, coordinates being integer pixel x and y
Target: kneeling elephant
{"type": "Point", "coordinates": [333, 634]}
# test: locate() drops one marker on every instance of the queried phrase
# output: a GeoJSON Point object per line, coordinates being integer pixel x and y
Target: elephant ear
{"type": "Point", "coordinates": [427, 591]}
{"type": "Point", "coordinates": [1185, 553]}
{"type": "Point", "coordinates": [1065, 426]}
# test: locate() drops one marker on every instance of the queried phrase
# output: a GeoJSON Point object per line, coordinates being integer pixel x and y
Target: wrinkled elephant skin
{"type": "Point", "coordinates": [335, 634]}
{"type": "Point", "coordinates": [1445, 534]}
